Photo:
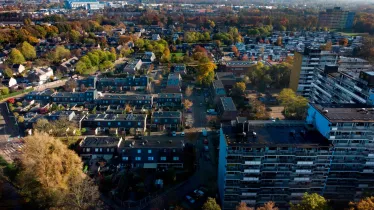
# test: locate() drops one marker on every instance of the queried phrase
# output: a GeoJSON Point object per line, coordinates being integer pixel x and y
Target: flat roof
{"type": "Point", "coordinates": [100, 141]}
{"type": "Point", "coordinates": [276, 134]}
{"type": "Point", "coordinates": [240, 63]}
{"type": "Point", "coordinates": [346, 112]}
{"type": "Point", "coordinates": [217, 84]}
{"type": "Point", "coordinates": [228, 104]}
{"type": "Point", "coordinates": [225, 76]}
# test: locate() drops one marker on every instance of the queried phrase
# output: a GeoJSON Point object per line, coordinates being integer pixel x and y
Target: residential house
{"type": "Point", "coordinates": [42, 97]}
{"type": "Point", "coordinates": [166, 120]}
{"type": "Point", "coordinates": [148, 57]}
{"type": "Point", "coordinates": [18, 69]}
{"type": "Point", "coordinates": [156, 37]}
{"type": "Point", "coordinates": [120, 99]}
{"type": "Point", "coordinates": [120, 122]}
{"type": "Point", "coordinates": [152, 154]}
{"type": "Point", "coordinates": [68, 66]}
{"type": "Point", "coordinates": [88, 82]}
{"type": "Point", "coordinates": [123, 84]}
{"type": "Point", "coordinates": [227, 109]}
{"type": "Point", "coordinates": [97, 147]}
{"type": "Point", "coordinates": [40, 75]}
{"type": "Point", "coordinates": [10, 83]}
{"type": "Point", "coordinates": [133, 66]}
{"type": "Point", "coordinates": [89, 96]}
{"type": "Point", "coordinates": [174, 83]}
{"type": "Point", "coordinates": [169, 100]}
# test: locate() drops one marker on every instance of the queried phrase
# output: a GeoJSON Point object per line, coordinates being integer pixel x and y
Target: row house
{"type": "Point", "coordinates": [118, 122]}
{"type": "Point", "coordinates": [169, 100]}
{"type": "Point", "coordinates": [89, 96]}
{"type": "Point", "coordinates": [119, 99]}
{"type": "Point", "coordinates": [100, 147]}
{"type": "Point", "coordinates": [166, 120]}
{"type": "Point", "coordinates": [124, 84]}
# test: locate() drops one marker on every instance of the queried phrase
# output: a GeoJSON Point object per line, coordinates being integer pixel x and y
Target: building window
{"type": "Point", "coordinates": [175, 120]}
{"type": "Point", "coordinates": [88, 149]}
{"type": "Point", "coordinates": [101, 149]}
{"type": "Point", "coordinates": [129, 123]}
{"type": "Point", "coordinates": [150, 158]}
{"type": "Point", "coordinates": [107, 149]}
{"type": "Point", "coordinates": [112, 150]}
{"type": "Point", "coordinates": [139, 123]}
{"type": "Point", "coordinates": [163, 158]}
{"type": "Point", "coordinates": [138, 158]}
{"type": "Point", "coordinates": [156, 120]}
{"type": "Point", "coordinates": [173, 150]}
{"type": "Point", "coordinates": [139, 151]}
{"type": "Point", "coordinates": [125, 158]}
{"type": "Point", "coordinates": [175, 158]}
{"type": "Point", "coordinates": [96, 149]}
{"type": "Point", "coordinates": [166, 120]}
{"type": "Point", "coordinates": [109, 123]}
{"type": "Point", "coordinates": [149, 151]}
{"type": "Point", "coordinates": [119, 123]}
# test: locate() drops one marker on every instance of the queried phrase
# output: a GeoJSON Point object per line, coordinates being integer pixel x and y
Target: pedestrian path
{"type": "Point", "coordinates": [12, 148]}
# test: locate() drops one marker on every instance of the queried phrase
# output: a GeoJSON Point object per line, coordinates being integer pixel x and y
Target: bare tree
{"type": "Point", "coordinates": [70, 85]}
{"type": "Point", "coordinates": [243, 206]}
{"type": "Point", "coordinates": [83, 195]}
{"type": "Point", "coordinates": [268, 206]}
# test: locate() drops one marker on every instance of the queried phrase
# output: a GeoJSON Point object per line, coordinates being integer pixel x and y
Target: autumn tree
{"type": "Point", "coordinates": [205, 73]}
{"type": "Point", "coordinates": [42, 125]}
{"type": "Point", "coordinates": [279, 41]}
{"type": "Point", "coordinates": [243, 206]}
{"type": "Point", "coordinates": [343, 42]}
{"type": "Point", "coordinates": [8, 72]}
{"type": "Point", "coordinates": [16, 57]}
{"type": "Point", "coordinates": [187, 103]}
{"type": "Point", "coordinates": [363, 204]}
{"type": "Point", "coordinates": [295, 106]}
{"type": "Point", "coordinates": [211, 204]}
{"type": "Point", "coordinates": [235, 50]}
{"type": "Point", "coordinates": [70, 85]}
{"type": "Point", "coordinates": [311, 202]}
{"type": "Point", "coordinates": [327, 46]}
{"type": "Point", "coordinates": [50, 173]}
{"type": "Point", "coordinates": [238, 89]}
{"type": "Point", "coordinates": [28, 51]}
{"type": "Point", "coordinates": [268, 206]}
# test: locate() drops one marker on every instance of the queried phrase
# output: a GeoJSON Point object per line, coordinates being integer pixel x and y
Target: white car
{"type": "Point", "coordinates": [206, 148]}
{"type": "Point", "coordinates": [174, 133]}
{"type": "Point", "coordinates": [190, 199]}
{"type": "Point", "coordinates": [182, 134]}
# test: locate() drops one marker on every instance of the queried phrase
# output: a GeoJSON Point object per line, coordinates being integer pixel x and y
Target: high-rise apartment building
{"type": "Point", "coordinates": [302, 72]}
{"type": "Point", "coordinates": [271, 162]}
{"type": "Point", "coordinates": [331, 154]}
{"type": "Point", "coordinates": [336, 18]}
{"type": "Point", "coordinates": [332, 84]}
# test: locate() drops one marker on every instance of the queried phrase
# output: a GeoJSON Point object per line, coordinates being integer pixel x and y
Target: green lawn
{"type": "Point", "coordinates": [177, 54]}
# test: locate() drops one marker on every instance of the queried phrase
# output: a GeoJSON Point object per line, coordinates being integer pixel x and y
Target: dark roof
{"type": "Point", "coordinates": [225, 76]}
{"type": "Point", "coordinates": [169, 95]}
{"type": "Point", "coordinates": [116, 117]}
{"type": "Point", "coordinates": [270, 133]}
{"type": "Point", "coordinates": [346, 112]}
{"type": "Point", "coordinates": [167, 114]}
{"type": "Point", "coordinates": [126, 97]}
{"type": "Point", "coordinates": [228, 104]}
{"type": "Point", "coordinates": [159, 143]}
{"type": "Point", "coordinates": [100, 141]}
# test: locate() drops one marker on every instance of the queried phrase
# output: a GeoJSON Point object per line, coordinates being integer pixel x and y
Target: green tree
{"type": "Point", "coordinates": [4, 90]}
{"type": "Point", "coordinates": [8, 72]}
{"type": "Point", "coordinates": [238, 89]}
{"type": "Point", "coordinates": [16, 57]}
{"type": "Point", "coordinates": [28, 51]}
{"type": "Point", "coordinates": [211, 204]}
{"type": "Point", "coordinates": [294, 106]}
{"type": "Point", "coordinates": [74, 36]}
{"type": "Point", "coordinates": [139, 43]}
{"type": "Point", "coordinates": [311, 202]}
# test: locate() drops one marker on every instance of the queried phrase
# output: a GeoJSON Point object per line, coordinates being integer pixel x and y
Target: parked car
{"type": "Point", "coordinates": [206, 148]}
{"type": "Point", "coordinates": [190, 199]}
{"type": "Point", "coordinates": [174, 133]}
{"type": "Point", "coordinates": [198, 193]}
{"type": "Point", "coordinates": [182, 134]}
{"type": "Point", "coordinates": [206, 141]}
{"type": "Point", "coordinates": [204, 132]}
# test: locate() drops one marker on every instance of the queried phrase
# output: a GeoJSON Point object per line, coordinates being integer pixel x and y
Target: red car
{"type": "Point", "coordinates": [206, 141]}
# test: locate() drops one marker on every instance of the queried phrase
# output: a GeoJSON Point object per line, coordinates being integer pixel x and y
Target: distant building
{"type": "Point", "coordinates": [167, 120]}
{"type": "Point", "coordinates": [179, 68]}
{"type": "Point", "coordinates": [174, 83]}
{"type": "Point", "coordinates": [84, 4]}
{"type": "Point", "coordinates": [239, 68]}
{"type": "Point", "coordinates": [156, 37]}
{"type": "Point", "coordinates": [169, 100]}
{"type": "Point", "coordinates": [217, 90]}
{"type": "Point", "coordinates": [148, 57]}
{"type": "Point", "coordinates": [18, 69]}
{"type": "Point", "coordinates": [336, 18]}
{"type": "Point", "coordinates": [40, 75]}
